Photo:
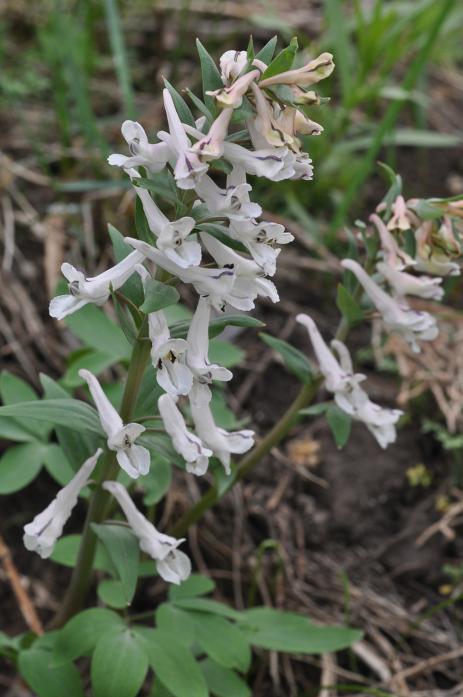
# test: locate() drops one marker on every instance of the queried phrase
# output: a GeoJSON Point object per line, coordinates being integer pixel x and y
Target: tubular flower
{"type": "Point", "coordinates": [232, 202]}
{"type": "Point", "coordinates": [248, 283]}
{"type": "Point", "coordinates": [316, 70]}
{"type": "Point", "coordinates": [173, 565]}
{"type": "Point", "coordinates": [188, 167]}
{"type": "Point", "coordinates": [197, 356]}
{"type": "Point", "coordinates": [339, 376]}
{"type": "Point", "coordinates": [168, 356]}
{"type": "Point", "coordinates": [188, 445]}
{"type": "Point", "coordinates": [172, 237]}
{"type": "Point", "coordinates": [232, 64]}
{"type": "Point", "coordinates": [397, 316]}
{"type": "Point", "coordinates": [153, 156]}
{"type": "Point", "coordinates": [221, 442]}
{"type": "Point", "coordinates": [391, 253]}
{"type": "Point", "coordinates": [96, 289]}
{"type": "Point", "coordinates": [41, 535]}
{"type": "Point", "coordinates": [232, 96]}
{"type": "Point", "coordinates": [210, 146]}
{"type": "Point", "coordinates": [431, 257]}
{"type": "Point", "coordinates": [133, 459]}
{"type": "Point", "coordinates": [214, 284]}
{"type": "Point", "coordinates": [405, 284]}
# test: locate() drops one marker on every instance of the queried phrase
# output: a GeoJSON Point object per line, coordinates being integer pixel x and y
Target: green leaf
{"type": "Point", "coordinates": [224, 353]}
{"type": "Point", "coordinates": [250, 50]}
{"type": "Point", "coordinates": [57, 464]}
{"type": "Point", "coordinates": [122, 548]}
{"type": "Point", "coordinates": [291, 633]}
{"type": "Point", "coordinates": [295, 361]}
{"type": "Point", "coordinates": [157, 482]}
{"type": "Point", "coordinates": [223, 682]}
{"type": "Point", "coordinates": [87, 358]}
{"type": "Point", "coordinates": [202, 108]}
{"type": "Point", "coordinates": [67, 549]}
{"type": "Point", "coordinates": [348, 307]}
{"type": "Point", "coordinates": [119, 664]}
{"type": "Point", "coordinates": [82, 633]}
{"type": "Point", "coordinates": [340, 424]}
{"type": "Point", "coordinates": [173, 664]}
{"type": "Point", "coordinates": [176, 622]}
{"type": "Point", "coordinates": [94, 328]}
{"type": "Point", "coordinates": [194, 585]}
{"type": "Point", "coordinates": [64, 412]}
{"type": "Point", "coordinates": [111, 592]}
{"type": "Point", "coordinates": [283, 61]}
{"type": "Point", "coordinates": [222, 641]}
{"type": "Point", "coordinates": [35, 666]}
{"type": "Point", "coordinates": [183, 110]}
{"type": "Point", "coordinates": [208, 606]}
{"type": "Point", "coordinates": [315, 409]}
{"type": "Point", "coordinates": [13, 390]}
{"type": "Point", "coordinates": [141, 223]}
{"type": "Point", "coordinates": [216, 326]}
{"type": "Point", "coordinates": [20, 465]}
{"type": "Point", "coordinates": [266, 53]}
{"type": "Point", "coordinates": [76, 445]}
{"type": "Point", "coordinates": [210, 76]}
{"type": "Point", "coordinates": [158, 295]}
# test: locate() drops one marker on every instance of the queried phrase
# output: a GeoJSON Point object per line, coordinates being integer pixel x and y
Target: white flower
{"type": "Point", "coordinates": [405, 284]}
{"type": "Point", "coordinates": [391, 253]}
{"type": "Point", "coordinates": [215, 284]}
{"type": "Point", "coordinates": [232, 64]}
{"type": "Point", "coordinates": [400, 219]}
{"type": "Point", "coordinates": [269, 162]}
{"type": "Point", "coordinates": [341, 380]}
{"type": "Point", "coordinates": [261, 238]}
{"type": "Point", "coordinates": [339, 376]}
{"type": "Point", "coordinates": [153, 156]}
{"type": "Point", "coordinates": [433, 254]}
{"type": "Point", "coordinates": [83, 290]}
{"type": "Point", "coordinates": [232, 202]}
{"type": "Point", "coordinates": [397, 317]}
{"type": "Point", "coordinates": [188, 445]}
{"type": "Point", "coordinates": [173, 565]}
{"type": "Point", "coordinates": [168, 356]}
{"type": "Point", "coordinates": [248, 279]}
{"type": "Point", "coordinates": [188, 167]}
{"type": "Point", "coordinates": [198, 347]}
{"type": "Point", "coordinates": [134, 459]}
{"type": "Point", "coordinates": [221, 442]}
{"type": "Point", "coordinates": [172, 237]}
{"type": "Point", "coordinates": [232, 96]}
{"type": "Point", "coordinates": [210, 146]}
{"type": "Point", "coordinates": [317, 69]}
{"type": "Point", "coordinates": [41, 535]}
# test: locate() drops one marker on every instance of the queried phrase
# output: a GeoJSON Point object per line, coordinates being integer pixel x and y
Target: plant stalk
{"type": "Point", "coordinates": [100, 499]}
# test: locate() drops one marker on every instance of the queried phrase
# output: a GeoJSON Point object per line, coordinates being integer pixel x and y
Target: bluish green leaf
{"type": "Point", "coordinates": [224, 642]}
{"type": "Point", "coordinates": [158, 296]}
{"type": "Point", "coordinates": [216, 326]}
{"type": "Point", "coordinates": [283, 61]}
{"type": "Point", "coordinates": [45, 679]}
{"type": "Point", "coordinates": [225, 353]}
{"type": "Point", "coordinates": [157, 482]}
{"type": "Point", "coordinates": [119, 664]}
{"type": "Point", "coordinates": [122, 548]}
{"type": "Point", "coordinates": [82, 633]}
{"type": "Point", "coordinates": [210, 76]}
{"type": "Point", "coordinates": [20, 465]}
{"type": "Point", "coordinates": [13, 390]}
{"type": "Point", "coordinates": [223, 682]}
{"type": "Point", "coordinates": [176, 622]}
{"type": "Point", "coordinates": [340, 424]}
{"type": "Point", "coordinates": [208, 606]}
{"type": "Point", "coordinates": [266, 53]}
{"type": "Point", "coordinates": [194, 585]}
{"type": "Point", "coordinates": [57, 464]}
{"type": "Point", "coordinates": [67, 549]}
{"type": "Point", "coordinates": [173, 664]}
{"type": "Point", "coordinates": [63, 412]}
{"type": "Point", "coordinates": [111, 592]}
{"type": "Point", "coordinates": [94, 328]}
{"type": "Point", "coordinates": [291, 633]}
{"type": "Point", "coordinates": [348, 306]}
{"type": "Point", "coordinates": [295, 361]}
{"type": "Point", "coordinates": [183, 110]}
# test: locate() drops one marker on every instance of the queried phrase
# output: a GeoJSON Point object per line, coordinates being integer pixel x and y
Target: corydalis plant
{"type": "Point", "coordinates": [264, 106]}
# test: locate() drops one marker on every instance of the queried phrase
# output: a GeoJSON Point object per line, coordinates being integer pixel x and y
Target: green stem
{"type": "Point", "coordinates": [273, 437]}
{"type": "Point", "coordinates": [391, 115]}
{"type": "Point", "coordinates": [100, 500]}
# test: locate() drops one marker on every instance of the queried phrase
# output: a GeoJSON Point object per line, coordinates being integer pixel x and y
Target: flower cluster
{"type": "Point", "coordinates": [434, 248]}
{"type": "Point", "coordinates": [243, 250]}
